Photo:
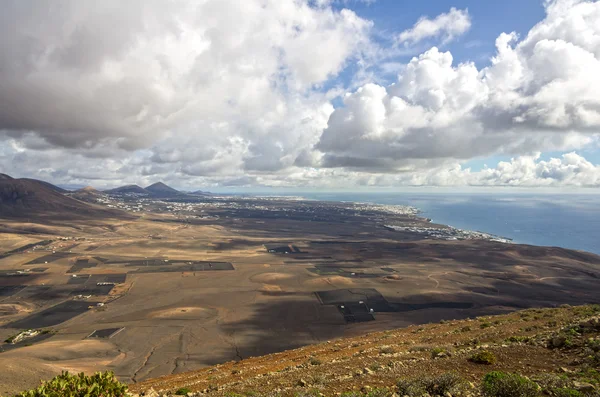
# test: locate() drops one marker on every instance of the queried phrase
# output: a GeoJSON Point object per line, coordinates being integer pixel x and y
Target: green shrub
{"type": "Point", "coordinates": [503, 384]}
{"type": "Point", "coordinates": [182, 391]}
{"type": "Point", "coordinates": [379, 392]}
{"type": "Point", "coordinates": [308, 393]}
{"type": "Point", "coordinates": [433, 385]}
{"type": "Point", "coordinates": [483, 357]}
{"type": "Point", "coordinates": [565, 392]}
{"type": "Point", "coordinates": [439, 352]}
{"type": "Point", "coordinates": [387, 350]}
{"type": "Point", "coordinates": [518, 339]}
{"type": "Point", "coordinates": [441, 384]}
{"type": "Point", "coordinates": [67, 385]}
{"type": "Point", "coordinates": [550, 381]}
{"type": "Point", "coordinates": [314, 361]}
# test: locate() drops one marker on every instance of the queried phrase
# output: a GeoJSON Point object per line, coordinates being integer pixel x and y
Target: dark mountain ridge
{"type": "Point", "coordinates": [128, 189]}
{"type": "Point", "coordinates": [25, 198]}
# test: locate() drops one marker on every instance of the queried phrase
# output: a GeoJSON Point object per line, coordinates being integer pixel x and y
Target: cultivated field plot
{"type": "Point", "coordinates": [343, 272]}
{"type": "Point", "coordinates": [93, 290]}
{"type": "Point", "coordinates": [116, 278]}
{"type": "Point", "coordinates": [26, 342]}
{"type": "Point", "coordinates": [10, 290]}
{"type": "Point", "coordinates": [186, 267]}
{"type": "Point", "coordinates": [17, 272]}
{"type": "Point", "coordinates": [356, 312]}
{"type": "Point", "coordinates": [15, 279]}
{"type": "Point", "coordinates": [51, 316]}
{"type": "Point", "coordinates": [50, 258]}
{"type": "Point", "coordinates": [372, 299]}
{"type": "Point", "coordinates": [81, 264]}
{"type": "Point", "coordinates": [78, 279]}
{"type": "Point", "coordinates": [339, 296]}
{"type": "Point", "coordinates": [44, 294]}
{"type": "Point", "coordinates": [24, 248]}
{"type": "Point", "coordinates": [105, 333]}
{"type": "Point", "coordinates": [282, 248]}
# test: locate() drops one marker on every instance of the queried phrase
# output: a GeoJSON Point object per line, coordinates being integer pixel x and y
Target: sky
{"type": "Point", "coordinates": [302, 94]}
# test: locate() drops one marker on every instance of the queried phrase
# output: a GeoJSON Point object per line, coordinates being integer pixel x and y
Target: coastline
{"type": "Point", "coordinates": [445, 232]}
{"type": "Point", "coordinates": [569, 222]}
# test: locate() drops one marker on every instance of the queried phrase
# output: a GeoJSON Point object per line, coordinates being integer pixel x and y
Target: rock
{"type": "Point", "coordinates": [365, 389]}
{"type": "Point", "coordinates": [368, 371]}
{"type": "Point", "coordinates": [150, 393]}
{"type": "Point", "coordinates": [302, 383]}
{"type": "Point", "coordinates": [591, 324]}
{"type": "Point", "coordinates": [584, 387]}
{"type": "Point", "coordinates": [448, 394]}
{"type": "Point", "coordinates": [565, 370]}
{"type": "Point", "coordinates": [357, 372]}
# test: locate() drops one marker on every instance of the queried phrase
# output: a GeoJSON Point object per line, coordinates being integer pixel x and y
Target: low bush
{"type": "Point", "coordinates": [483, 357]}
{"type": "Point", "coordinates": [182, 391]}
{"type": "Point", "coordinates": [504, 384]}
{"type": "Point", "coordinates": [314, 361]}
{"type": "Point", "coordinates": [438, 385]}
{"type": "Point", "coordinates": [439, 352]}
{"type": "Point", "coordinates": [67, 385]}
{"type": "Point", "coordinates": [518, 339]}
{"type": "Point", "coordinates": [565, 392]}
{"type": "Point", "coordinates": [387, 350]}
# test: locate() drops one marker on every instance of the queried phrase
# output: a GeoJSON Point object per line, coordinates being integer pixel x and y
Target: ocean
{"type": "Point", "coordinates": [562, 220]}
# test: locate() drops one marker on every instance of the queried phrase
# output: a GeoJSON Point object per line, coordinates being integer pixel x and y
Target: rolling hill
{"type": "Point", "coordinates": [27, 198]}
{"type": "Point", "coordinates": [161, 190]}
{"type": "Point", "coordinates": [201, 193]}
{"type": "Point", "coordinates": [128, 189]}
{"type": "Point", "coordinates": [537, 352]}
{"type": "Point", "coordinates": [87, 194]}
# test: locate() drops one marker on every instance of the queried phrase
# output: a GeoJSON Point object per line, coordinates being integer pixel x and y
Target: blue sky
{"type": "Point", "coordinates": [488, 20]}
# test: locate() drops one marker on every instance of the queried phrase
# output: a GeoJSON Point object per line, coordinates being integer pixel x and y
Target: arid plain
{"type": "Point", "coordinates": [178, 286]}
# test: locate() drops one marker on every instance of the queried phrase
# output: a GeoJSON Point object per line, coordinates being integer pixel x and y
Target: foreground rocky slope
{"type": "Point", "coordinates": [557, 348]}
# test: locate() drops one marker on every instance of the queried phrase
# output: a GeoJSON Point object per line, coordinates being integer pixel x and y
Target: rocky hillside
{"type": "Point", "coordinates": [533, 352]}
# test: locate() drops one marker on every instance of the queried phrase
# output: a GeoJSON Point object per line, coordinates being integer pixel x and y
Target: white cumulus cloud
{"type": "Point", "coordinates": [541, 93]}
{"type": "Point", "coordinates": [445, 27]}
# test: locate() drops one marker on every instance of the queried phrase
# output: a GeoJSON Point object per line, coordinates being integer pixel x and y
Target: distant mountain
{"type": "Point", "coordinates": [29, 198]}
{"type": "Point", "coordinates": [201, 193]}
{"type": "Point", "coordinates": [89, 189]}
{"type": "Point", "coordinates": [87, 194]}
{"type": "Point", "coordinates": [128, 189]}
{"type": "Point", "coordinates": [160, 190]}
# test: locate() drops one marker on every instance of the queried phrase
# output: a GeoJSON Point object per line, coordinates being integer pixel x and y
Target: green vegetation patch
{"type": "Point", "coordinates": [504, 384]}
{"type": "Point", "coordinates": [67, 385]}
{"type": "Point", "coordinates": [483, 357]}
{"type": "Point", "coordinates": [438, 385]}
